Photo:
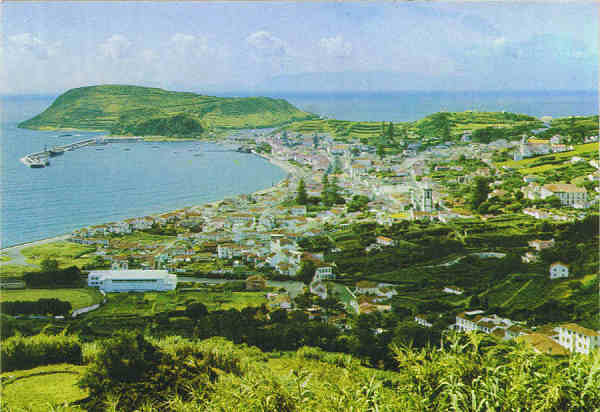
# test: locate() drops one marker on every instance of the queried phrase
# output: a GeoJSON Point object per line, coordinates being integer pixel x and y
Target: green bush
{"type": "Point", "coordinates": [21, 352]}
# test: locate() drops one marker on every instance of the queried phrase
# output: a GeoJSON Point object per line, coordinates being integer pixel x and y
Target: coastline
{"type": "Point", "coordinates": [14, 251]}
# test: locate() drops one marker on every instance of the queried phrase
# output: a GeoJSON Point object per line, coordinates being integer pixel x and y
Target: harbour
{"type": "Point", "coordinates": [41, 159]}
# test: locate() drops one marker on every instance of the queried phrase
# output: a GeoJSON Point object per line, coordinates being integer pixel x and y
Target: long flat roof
{"type": "Point", "coordinates": [131, 274]}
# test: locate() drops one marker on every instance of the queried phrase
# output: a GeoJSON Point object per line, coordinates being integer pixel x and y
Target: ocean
{"type": "Point", "coordinates": [410, 106]}
{"type": "Point", "coordinates": [88, 186]}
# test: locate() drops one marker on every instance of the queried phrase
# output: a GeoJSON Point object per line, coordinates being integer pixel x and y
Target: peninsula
{"type": "Point", "coordinates": [121, 109]}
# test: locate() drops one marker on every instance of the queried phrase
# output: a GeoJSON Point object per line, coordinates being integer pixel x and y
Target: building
{"type": "Point", "coordinates": [569, 195]}
{"type": "Point", "coordinates": [132, 280]}
{"type": "Point", "coordinates": [453, 289]}
{"type": "Point", "coordinates": [559, 270]}
{"type": "Point", "coordinates": [384, 241]}
{"type": "Point", "coordinates": [576, 338]}
{"type": "Point", "coordinates": [422, 198]}
{"type": "Point", "coordinates": [422, 320]}
{"type": "Point", "coordinates": [538, 244]}
{"type": "Point", "coordinates": [324, 273]}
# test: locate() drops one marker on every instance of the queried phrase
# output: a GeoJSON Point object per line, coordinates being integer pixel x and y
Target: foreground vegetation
{"type": "Point", "coordinates": [143, 110]}
{"type": "Point", "coordinates": [467, 373]}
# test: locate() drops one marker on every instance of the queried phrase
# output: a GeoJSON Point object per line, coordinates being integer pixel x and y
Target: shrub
{"type": "Point", "coordinates": [21, 352]}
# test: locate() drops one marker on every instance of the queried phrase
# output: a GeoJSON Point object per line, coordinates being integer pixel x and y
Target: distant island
{"type": "Point", "coordinates": [145, 111]}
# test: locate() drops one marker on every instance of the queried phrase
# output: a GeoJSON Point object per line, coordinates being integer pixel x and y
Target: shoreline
{"type": "Point", "coordinates": [13, 251]}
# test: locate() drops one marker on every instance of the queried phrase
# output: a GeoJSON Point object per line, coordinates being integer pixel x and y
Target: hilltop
{"type": "Point", "coordinates": [144, 111]}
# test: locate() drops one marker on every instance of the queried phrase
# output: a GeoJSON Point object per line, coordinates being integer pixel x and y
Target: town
{"type": "Point", "coordinates": [343, 225]}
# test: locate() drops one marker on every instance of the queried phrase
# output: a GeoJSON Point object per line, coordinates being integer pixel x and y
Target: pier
{"type": "Point", "coordinates": [40, 159]}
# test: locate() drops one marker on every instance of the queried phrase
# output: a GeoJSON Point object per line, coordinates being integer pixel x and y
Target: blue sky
{"type": "Point", "coordinates": [253, 47]}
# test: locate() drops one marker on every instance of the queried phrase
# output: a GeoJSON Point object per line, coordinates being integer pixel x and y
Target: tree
{"type": "Point", "coordinates": [337, 165]}
{"type": "Point", "coordinates": [301, 197]}
{"type": "Point", "coordinates": [196, 311]}
{"type": "Point", "coordinates": [49, 265]}
{"type": "Point", "coordinates": [380, 150]}
{"type": "Point", "coordinates": [479, 192]}
{"type": "Point", "coordinates": [306, 272]}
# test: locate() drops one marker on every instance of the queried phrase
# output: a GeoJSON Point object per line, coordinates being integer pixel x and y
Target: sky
{"type": "Point", "coordinates": [219, 47]}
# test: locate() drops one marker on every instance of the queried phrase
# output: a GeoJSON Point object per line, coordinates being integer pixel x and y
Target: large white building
{"type": "Point", "coordinates": [569, 194]}
{"type": "Point", "coordinates": [132, 280]}
{"type": "Point", "coordinates": [576, 338]}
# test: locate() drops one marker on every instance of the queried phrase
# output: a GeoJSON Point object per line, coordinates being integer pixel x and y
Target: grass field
{"type": "Point", "coordinates": [150, 303]}
{"type": "Point", "coordinates": [66, 253]}
{"type": "Point", "coordinates": [14, 271]}
{"type": "Point", "coordinates": [4, 258]}
{"type": "Point", "coordinates": [79, 298]}
{"type": "Point", "coordinates": [139, 238]}
{"type": "Point", "coordinates": [42, 389]}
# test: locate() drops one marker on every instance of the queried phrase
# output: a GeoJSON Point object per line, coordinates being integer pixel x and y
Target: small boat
{"type": "Point", "coordinates": [127, 149]}
{"type": "Point", "coordinates": [197, 154]}
{"type": "Point", "coordinates": [99, 148]}
{"type": "Point", "coordinates": [56, 151]}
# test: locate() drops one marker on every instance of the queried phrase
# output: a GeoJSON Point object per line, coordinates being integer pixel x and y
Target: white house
{"type": "Point", "coordinates": [422, 320]}
{"type": "Point", "coordinates": [384, 241]}
{"type": "Point", "coordinates": [324, 273]}
{"type": "Point", "coordinates": [559, 270]}
{"type": "Point", "coordinates": [453, 289]}
{"type": "Point", "coordinates": [576, 338]}
{"type": "Point", "coordinates": [132, 280]}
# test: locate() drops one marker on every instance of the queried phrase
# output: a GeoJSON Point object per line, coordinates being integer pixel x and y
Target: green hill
{"type": "Point", "coordinates": [485, 126]}
{"type": "Point", "coordinates": [144, 110]}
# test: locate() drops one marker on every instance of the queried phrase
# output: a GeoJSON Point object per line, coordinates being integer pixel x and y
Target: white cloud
{"type": "Point", "coordinates": [266, 44]}
{"type": "Point", "coordinates": [187, 44]}
{"type": "Point", "coordinates": [27, 43]}
{"type": "Point", "coordinates": [336, 46]}
{"type": "Point", "coordinates": [116, 47]}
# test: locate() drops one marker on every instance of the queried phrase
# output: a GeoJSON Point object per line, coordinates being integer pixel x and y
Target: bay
{"type": "Point", "coordinates": [88, 186]}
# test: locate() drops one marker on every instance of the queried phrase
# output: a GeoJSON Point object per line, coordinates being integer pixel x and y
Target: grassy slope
{"type": "Point", "coordinates": [79, 298]}
{"type": "Point", "coordinates": [459, 123]}
{"type": "Point", "coordinates": [150, 303]}
{"type": "Point", "coordinates": [66, 253]}
{"type": "Point", "coordinates": [100, 107]}
{"type": "Point", "coordinates": [524, 165]}
{"type": "Point", "coordinates": [14, 271]}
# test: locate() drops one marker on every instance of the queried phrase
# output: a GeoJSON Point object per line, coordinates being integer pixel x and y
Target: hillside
{"type": "Point", "coordinates": [128, 109]}
{"type": "Point", "coordinates": [445, 125]}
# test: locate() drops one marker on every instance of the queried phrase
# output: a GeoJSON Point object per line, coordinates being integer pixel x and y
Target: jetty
{"type": "Point", "coordinates": [40, 159]}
